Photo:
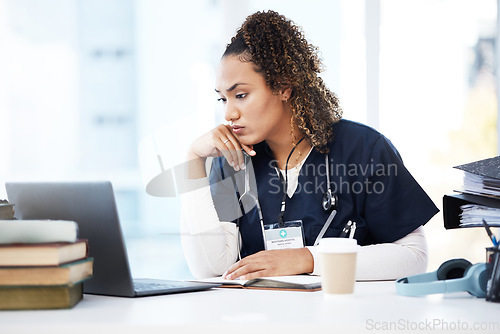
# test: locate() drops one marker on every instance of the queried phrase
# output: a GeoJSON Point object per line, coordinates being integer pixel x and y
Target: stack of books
{"type": "Point", "coordinates": [42, 264]}
{"type": "Point", "coordinates": [479, 197]}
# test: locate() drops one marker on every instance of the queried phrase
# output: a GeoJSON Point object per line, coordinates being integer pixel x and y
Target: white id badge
{"type": "Point", "coordinates": [289, 236]}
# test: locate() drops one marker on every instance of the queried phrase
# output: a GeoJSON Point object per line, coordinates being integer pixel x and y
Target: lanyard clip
{"type": "Point", "coordinates": [281, 222]}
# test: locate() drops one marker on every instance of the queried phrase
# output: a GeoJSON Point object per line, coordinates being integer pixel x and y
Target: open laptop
{"type": "Point", "coordinates": [92, 205]}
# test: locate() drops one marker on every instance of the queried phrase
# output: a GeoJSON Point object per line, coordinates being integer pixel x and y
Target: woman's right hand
{"type": "Point", "coordinates": [220, 141]}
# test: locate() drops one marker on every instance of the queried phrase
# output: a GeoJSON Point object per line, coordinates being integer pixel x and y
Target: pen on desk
{"type": "Point", "coordinates": [346, 229]}
{"type": "Point", "coordinates": [488, 230]}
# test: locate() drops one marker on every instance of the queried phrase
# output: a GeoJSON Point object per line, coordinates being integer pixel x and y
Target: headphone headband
{"type": "Point", "coordinates": [473, 281]}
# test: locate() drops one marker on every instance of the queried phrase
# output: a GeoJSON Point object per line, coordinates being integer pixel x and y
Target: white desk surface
{"type": "Point", "coordinates": [374, 308]}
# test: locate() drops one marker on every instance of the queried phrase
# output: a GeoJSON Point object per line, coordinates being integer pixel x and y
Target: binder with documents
{"type": "Point", "coordinates": [482, 177]}
{"type": "Point", "coordinates": [453, 202]}
{"type": "Point", "coordinates": [481, 188]}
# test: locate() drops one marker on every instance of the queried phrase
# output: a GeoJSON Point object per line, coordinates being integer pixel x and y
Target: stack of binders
{"type": "Point", "coordinates": [42, 264]}
{"type": "Point", "coordinates": [478, 199]}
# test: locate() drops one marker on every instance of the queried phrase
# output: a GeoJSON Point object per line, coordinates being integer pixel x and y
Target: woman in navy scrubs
{"type": "Point", "coordinates": [285, 130]}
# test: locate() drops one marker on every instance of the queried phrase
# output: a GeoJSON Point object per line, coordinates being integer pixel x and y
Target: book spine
{"type": "Point", "coordinates": [47, 297]}
{"type": "Point", "coordinates": [14, 231]}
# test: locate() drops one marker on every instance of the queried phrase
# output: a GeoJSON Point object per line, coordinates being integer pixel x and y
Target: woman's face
{"type": "Point", "coordinates": [255, 113]}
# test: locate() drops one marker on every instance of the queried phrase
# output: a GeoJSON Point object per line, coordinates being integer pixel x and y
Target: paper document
{"type": "Point", "coordinates": [472, 216]}
{"type": "Point", "coordinates": [295, 282]}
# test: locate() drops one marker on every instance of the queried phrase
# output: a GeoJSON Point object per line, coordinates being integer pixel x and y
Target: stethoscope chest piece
{"type": "Point", "coordinates": [329, 201]}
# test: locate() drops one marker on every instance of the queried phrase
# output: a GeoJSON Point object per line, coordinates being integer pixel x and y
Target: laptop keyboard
{"type": "Point", "coordinates": [151, 286]}
{"type": "Point", "coordinates": [147, 287]}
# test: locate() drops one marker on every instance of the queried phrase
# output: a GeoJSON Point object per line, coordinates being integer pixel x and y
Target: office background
{"type": "Point", "coordinates": [93, 90]}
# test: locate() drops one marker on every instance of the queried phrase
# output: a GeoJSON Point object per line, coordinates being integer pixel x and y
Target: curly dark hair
{"type": "Point", "coordinates": [280, 52]}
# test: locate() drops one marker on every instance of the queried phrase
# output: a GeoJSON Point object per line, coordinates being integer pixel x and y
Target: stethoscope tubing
{"type": "Point", "coordinates": [248, 193]}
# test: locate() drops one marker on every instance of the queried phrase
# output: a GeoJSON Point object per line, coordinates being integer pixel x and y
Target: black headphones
{"type": "Point", "coordinates": [452, 276]}
{"type": "Point", "coordinates": [329, 200]}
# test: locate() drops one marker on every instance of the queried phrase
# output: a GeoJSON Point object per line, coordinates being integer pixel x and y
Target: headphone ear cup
{"type": "Point", "coordinates": [478, 277]}
{"type": "Point", "coordinates": [454, 268]}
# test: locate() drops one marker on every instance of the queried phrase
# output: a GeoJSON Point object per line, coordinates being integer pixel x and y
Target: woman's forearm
{"type": "Point", "coordinates": [210, 246]}
{"type": "Point", "coordinates": [406, 256]}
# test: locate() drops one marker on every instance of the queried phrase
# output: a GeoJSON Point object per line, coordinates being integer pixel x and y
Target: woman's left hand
{"type": "Point", "coordinates": [280, 262]}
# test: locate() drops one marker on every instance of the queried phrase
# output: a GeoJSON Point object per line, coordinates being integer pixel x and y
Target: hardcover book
{"type": "Point", "coordinates": [70, 273]}
{"type": "Point", "coordinates": [48, 254]}
{"type": "Point", "coordinates": [6, 210]}
{"type": "Point", "coordinates": [37, 231]}
{"type": "Point", "coordinates": [40, 297]}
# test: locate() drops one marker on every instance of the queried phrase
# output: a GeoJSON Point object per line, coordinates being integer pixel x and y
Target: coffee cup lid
{"type": "Point", "coordinates": [338, 245]}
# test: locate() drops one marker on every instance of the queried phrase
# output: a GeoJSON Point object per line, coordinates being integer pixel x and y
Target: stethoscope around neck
{"type": "Point", "coordinates": [329, 200]}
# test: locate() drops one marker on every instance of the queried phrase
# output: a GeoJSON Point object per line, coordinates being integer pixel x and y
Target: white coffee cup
{"type": "Point", "coordinates": [338, 265]}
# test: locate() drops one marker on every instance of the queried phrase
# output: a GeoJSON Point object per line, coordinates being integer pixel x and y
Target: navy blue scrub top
{"type": "Point", "coordinates": [374, 189]}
